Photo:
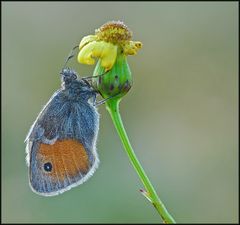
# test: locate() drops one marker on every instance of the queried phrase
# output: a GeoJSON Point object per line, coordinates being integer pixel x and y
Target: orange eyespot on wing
{"type": "Point", "coordinates": [63, 159]}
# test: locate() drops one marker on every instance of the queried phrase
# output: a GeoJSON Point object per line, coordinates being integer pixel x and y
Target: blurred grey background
{"type": "Point", "coordinates": [181, 115]}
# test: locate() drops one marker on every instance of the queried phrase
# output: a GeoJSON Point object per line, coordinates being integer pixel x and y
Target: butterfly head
{"type": "Point", "coordinates": [75, 88]}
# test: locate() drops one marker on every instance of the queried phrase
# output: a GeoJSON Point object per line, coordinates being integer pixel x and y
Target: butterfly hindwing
{"type": "Point", "coordinates": [61, 145]}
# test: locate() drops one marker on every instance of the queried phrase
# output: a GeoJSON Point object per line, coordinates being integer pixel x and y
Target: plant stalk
{"type": "Point", "coordinates": [112, 106]}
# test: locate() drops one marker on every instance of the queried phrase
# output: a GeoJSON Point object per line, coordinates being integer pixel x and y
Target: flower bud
{"type": "Point", "coordinates": [111, 44]}
{"type": "Point", "coordinates": [117, 81]}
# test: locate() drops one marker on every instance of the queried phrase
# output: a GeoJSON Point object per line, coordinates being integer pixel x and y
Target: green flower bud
{"type": "Point", "coordinates": [116, 82]}
{"type": "Point", "coordinates": [111, 44]}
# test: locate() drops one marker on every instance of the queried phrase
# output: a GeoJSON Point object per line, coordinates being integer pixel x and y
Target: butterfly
{"type": "Point", "coordinates": [61, 144]}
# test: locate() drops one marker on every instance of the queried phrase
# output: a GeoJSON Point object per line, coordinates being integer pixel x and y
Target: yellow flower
{"type": "Point", "coordinates": [111, 44]}
{"type": "Point", "coordinates": [110, 39]}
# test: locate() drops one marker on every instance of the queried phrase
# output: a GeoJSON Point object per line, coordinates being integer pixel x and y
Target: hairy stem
{"type": "Point", "coordinates": [112, 106]}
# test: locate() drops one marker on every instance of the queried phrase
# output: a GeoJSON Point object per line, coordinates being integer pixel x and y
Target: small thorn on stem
{"type": "Point", "coordinates": [146, 195]}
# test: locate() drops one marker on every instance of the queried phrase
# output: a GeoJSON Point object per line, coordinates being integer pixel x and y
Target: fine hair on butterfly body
{"type": "Point", "coordinates": [61, 144]}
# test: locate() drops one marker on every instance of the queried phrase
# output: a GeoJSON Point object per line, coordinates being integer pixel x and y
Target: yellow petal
{"type": "Point", "coordinates": [86, 40]}
{"type": "Point", "coordinates": [107, 52]}
{"type": "Point", "coordinates": [131, 47]}
{"type": "Point", "coordinates": [85, 54]}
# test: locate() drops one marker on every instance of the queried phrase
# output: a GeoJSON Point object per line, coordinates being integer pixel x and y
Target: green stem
{"type": "Point", "coordinates": [112, 106]}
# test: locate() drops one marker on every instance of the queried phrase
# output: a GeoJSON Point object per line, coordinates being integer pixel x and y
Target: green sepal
{"type": "Point", "coordinates": [117, 82]}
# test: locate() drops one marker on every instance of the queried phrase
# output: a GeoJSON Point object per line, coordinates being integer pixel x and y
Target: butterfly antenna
{"type": "Point", "coordinates": [71, 54]}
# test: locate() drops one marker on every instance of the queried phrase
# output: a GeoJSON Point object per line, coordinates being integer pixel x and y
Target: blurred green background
{"type": "Point", "coordinates": [180, 115]}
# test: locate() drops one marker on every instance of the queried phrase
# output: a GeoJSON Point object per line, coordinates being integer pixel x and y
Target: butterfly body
{"type": "Point", "coordinates": [61, 144]}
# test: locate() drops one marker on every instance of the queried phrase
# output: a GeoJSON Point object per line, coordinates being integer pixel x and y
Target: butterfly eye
{"type": "Point", "coordinates": [47, 167]}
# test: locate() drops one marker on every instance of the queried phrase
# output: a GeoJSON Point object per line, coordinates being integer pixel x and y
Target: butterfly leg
{"type": "Point", "coordinates": [104, 100]}
{"type": "Point", "coordinates": [90, 77]}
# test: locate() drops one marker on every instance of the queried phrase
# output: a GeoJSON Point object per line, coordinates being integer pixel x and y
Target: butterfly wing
{"type": "Point", "coordinates": [61, 151]}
